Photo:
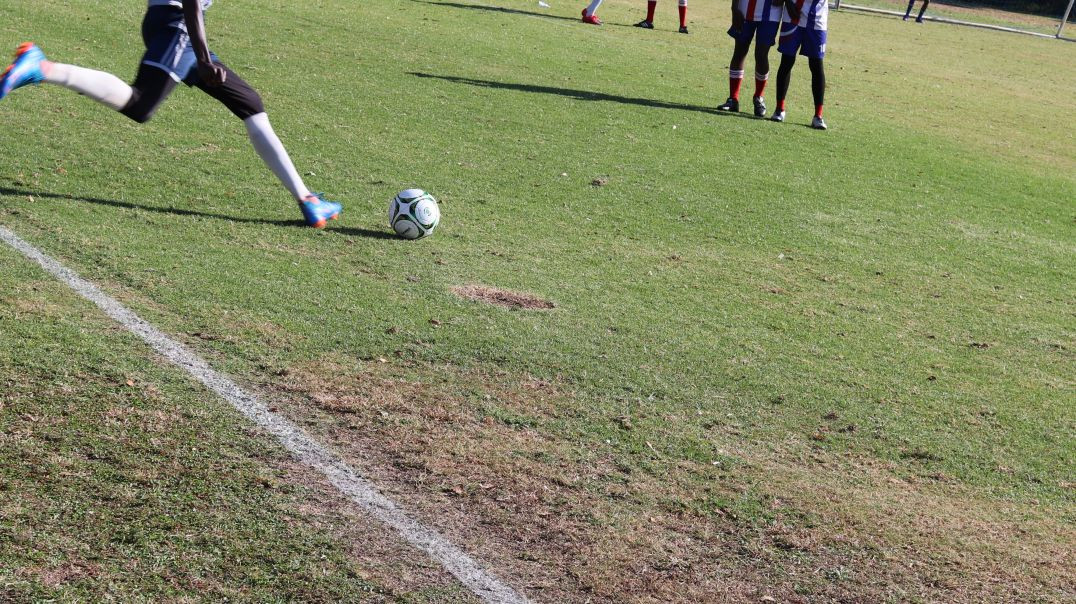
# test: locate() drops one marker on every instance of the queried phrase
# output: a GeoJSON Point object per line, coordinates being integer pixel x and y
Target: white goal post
{"type": "Point", "coordinates": [838, 5]}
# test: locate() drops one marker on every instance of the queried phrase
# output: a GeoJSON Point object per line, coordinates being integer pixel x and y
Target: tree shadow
{"type": "Point", "coordinates": [349, 231]}
{"type": "Point", "coordinates": [497, 9]}
{"type": "Point", "coordinates": [582, 95]}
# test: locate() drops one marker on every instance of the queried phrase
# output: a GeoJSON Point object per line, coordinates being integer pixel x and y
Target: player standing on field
{"type": "Point", "coordinates": [648, 22]}
{"type": "Point", "coordinates": [588, 13]}
{"type": "Point", "coordinates": [173, 32]}
{"type": "Point", "coordinates": [752, 20]}
{"type": "Point", "coordinates": [803, 31]}
{"type": "Point", "coordinates": [922, 9]}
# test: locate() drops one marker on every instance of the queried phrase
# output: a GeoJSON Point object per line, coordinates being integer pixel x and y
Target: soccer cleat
{"type": "Point", "coordinates": [730, 105]}
{"type": "Point", "coordinates": [683, 29]}
{"type": "Point", "coordinates": [645, 24]}
{"type": "Point", "coordinates": [25, 69]}
{"type": "Point", "coordinates": [760, 106]}
{"type": "Point", "coordinates": [919, 20]}
{"type": "Point", "coordinates": [818, 123]}
{"type": "Point", "coordinates": [778, 116]}
{"type": "Point", "coordinates": [318, 211]}
{"type": "Point", "coordinates": [591, 19]}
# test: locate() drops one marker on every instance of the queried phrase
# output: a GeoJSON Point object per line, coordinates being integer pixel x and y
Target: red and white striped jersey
{"type": "Point", "coordinates": [814, 14]}
{"type": "Point", "coordinates": [759, 10]}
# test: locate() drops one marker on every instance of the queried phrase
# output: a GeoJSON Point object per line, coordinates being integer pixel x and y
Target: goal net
{"type": "Point", "coordinates": [1044, 18]}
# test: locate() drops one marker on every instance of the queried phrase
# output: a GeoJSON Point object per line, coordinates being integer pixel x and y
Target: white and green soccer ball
{"type": "Point", "coordinates": [414, 214]}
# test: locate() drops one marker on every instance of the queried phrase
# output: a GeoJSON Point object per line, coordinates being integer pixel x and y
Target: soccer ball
{"type": "Point", "coordinates": [413, 214]}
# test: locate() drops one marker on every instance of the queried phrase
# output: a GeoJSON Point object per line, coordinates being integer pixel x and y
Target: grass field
{"type": "Point", "coordinates": [786, 364]}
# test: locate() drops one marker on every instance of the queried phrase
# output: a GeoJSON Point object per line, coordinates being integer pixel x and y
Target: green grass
{"type": "Point", "coordinates": [739, 292]}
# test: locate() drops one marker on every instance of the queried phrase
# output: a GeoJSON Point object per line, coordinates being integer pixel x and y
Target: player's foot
{"type": "Point", "coordinates": [730, 105]}
{"type": "Point", "coordinates": [778, 116]}
{"type": "Point", "coordinates": [645, 24]}
{"type": "Point", "coordinates": [25, 69]}
{"type": "Point", "coordinates": [760, 106]}
{"type": "Point", "coordinates": [318, 211]}
{"type": "Point", "coordinates": [919, 20]}
{"type": "Point", "coordinates": [905, 17]}
{"type": "Point", "coordinates": [683, 29]}
{"type": "Point", "coordinates": [591, 19]}
{"type": "Point", "coordinates": [818, 123]}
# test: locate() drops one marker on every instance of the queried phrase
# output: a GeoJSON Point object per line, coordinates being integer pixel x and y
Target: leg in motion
{"type": "Point", "coordinates": [246, 104]}
{"type": "Point", "coordinates": [908, 12]}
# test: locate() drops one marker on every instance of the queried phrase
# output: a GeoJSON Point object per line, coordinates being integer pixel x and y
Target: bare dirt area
{"type": "Point", "coordinates": [475, 455]}
{"type": "Point", "coordinates": [501, 297]}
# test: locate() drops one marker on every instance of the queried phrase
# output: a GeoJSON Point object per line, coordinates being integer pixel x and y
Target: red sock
{"type": "Point", "coordinates": [781, 105]}
{"type": "Point", "coordinates": [735, 79]}
{"type": "Point", "coordinates": [760, 83]}
{"type": "Point", "coordinates": [818, 111]}
{"type": "Point", "coordinates": [650, 6]}
{"type": "Point", "coordinates": [683, 15]}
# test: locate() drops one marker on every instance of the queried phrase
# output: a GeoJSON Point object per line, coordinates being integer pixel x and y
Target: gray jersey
{"type": "Point", "coordinates": [177, 3]}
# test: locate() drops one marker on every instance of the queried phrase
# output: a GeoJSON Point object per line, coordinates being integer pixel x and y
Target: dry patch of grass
{"type": "Point", "coordinates": [502, 297]}
{"type": "Point", "coordinates": [478, 455]}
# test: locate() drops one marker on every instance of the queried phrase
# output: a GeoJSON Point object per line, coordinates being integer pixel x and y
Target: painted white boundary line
{"type": "Point", "coordinates": [356, 488]}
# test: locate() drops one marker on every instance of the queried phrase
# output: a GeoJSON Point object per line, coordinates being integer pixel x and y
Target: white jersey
{"type": "Point", "coordinates": [177, 3]}
{"type": "Point", "coordinates": [759, 10]}
{"type": "Point", "coordinates": [814, 14]}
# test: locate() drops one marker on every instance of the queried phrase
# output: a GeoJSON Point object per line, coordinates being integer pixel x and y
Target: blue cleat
{"type": "Point", "coordinates": [25, 69]}
{"type": "Point", "coordinates": [317, 211]}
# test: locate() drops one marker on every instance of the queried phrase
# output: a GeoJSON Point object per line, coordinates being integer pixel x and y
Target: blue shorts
{"type": "Point", "coordinates": [810, 43]}
{"type": "Point", "coordinates": [764, 32]}
{"type": "Point", "coordinates": [168, 46]}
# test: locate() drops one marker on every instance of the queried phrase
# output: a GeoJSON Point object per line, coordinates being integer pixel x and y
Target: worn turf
{"type": "Point", "coordinates": [780, 362]}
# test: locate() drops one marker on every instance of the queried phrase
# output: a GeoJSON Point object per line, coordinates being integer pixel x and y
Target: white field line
{"type": "Point", "coordinates": [481, 582]}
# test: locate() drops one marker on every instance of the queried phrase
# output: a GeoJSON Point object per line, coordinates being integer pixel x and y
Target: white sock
{"type": "Point", "coordinates": [100, 86]}
{"type": "Point", "coordinates": [593, 7]}
{"type": "Point", "coordinates": [272, 152]}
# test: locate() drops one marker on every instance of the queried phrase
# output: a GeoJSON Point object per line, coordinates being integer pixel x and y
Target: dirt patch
{"type": "Point", "coordinates": [502, 297]}
{"type": "Point", "coordinates": [476, 454]}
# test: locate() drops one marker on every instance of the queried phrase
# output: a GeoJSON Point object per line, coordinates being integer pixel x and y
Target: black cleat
{"type": "Point", "coordinates": [730, 105]}
{"type": "Point", "coordinates": [683, 29]}
{"type": "Point", "coordinates": [645, 24]}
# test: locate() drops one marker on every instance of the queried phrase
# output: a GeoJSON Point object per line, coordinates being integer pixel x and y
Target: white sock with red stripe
{"type": "Point", "coordinates": [102, 87]}
{"type": "Point", "coordinates": [271, 150]}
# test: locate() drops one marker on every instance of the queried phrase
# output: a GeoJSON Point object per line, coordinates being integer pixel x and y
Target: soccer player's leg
{"type": "Point", "coordinates": [764, 40]}
{"type": "Point", "coordinates": [922, 9]}
{"type": "Point", "coordinates": [681, 6]}
{"type": "Point", "coordinates": [908, 12]}
{"type": "Point", "coordinates": [743, 39]}
{"type": "Point", "coordinates": [648, 22]}
{"type": "Point", "coordinates": [588, 13]}
{"type": "Point", "coordinates": [789, 47]}
{"type": "Point", "coordinates": [31, 67]}
{"type": "Point", "coordinates": [814, 48]}
{"type": "Point", "coordinates": [245, 103]}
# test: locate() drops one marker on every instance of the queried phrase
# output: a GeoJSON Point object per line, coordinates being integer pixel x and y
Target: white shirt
{"type": "Point", "coordinates": [759, 10]}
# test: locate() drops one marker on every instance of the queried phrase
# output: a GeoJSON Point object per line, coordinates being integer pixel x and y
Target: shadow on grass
{"type": "Point", "coordinates": [497, 9]}
{"type": "Point", "coordinates": [349, 231]}
{"type": "Point", "coordinates": [582, 95]}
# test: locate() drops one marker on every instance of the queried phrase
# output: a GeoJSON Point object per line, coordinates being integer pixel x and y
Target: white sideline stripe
{"type": "Point", "coordinates": [481, 582]}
